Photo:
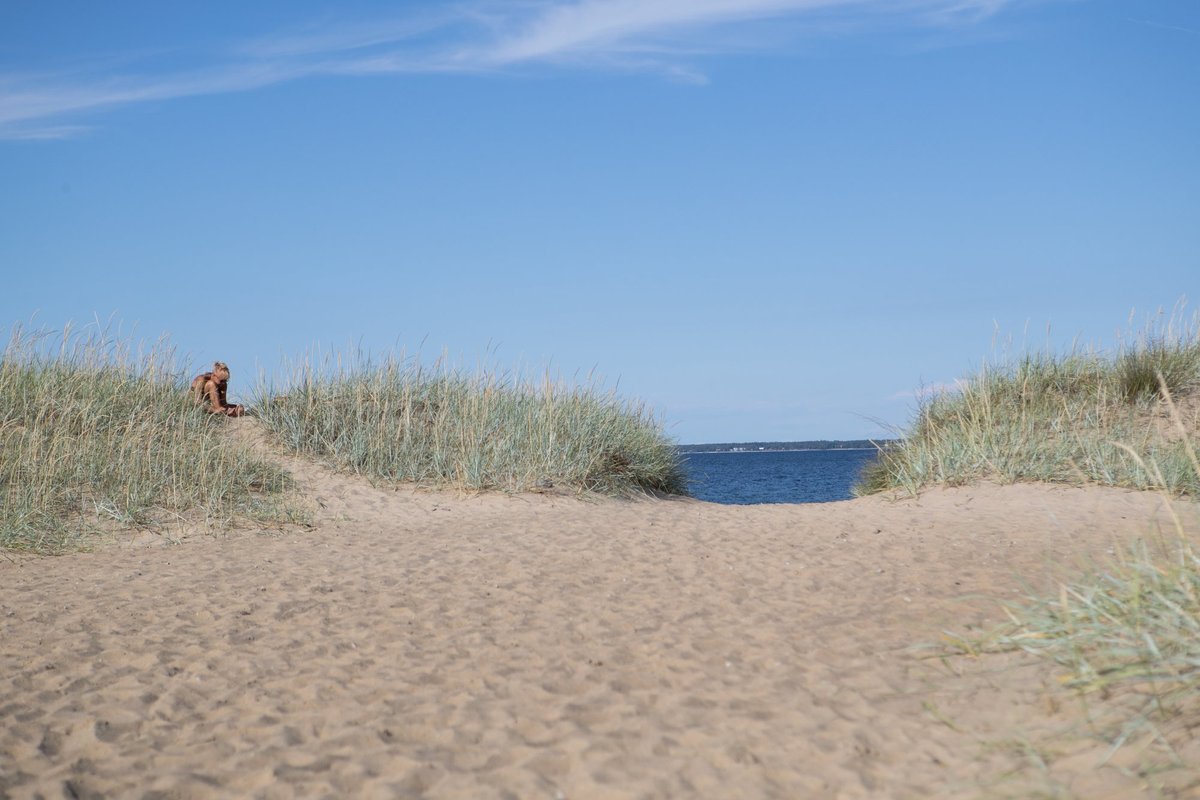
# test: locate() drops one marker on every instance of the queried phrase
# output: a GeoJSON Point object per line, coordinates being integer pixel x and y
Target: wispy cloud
{"type": "Point", "coordinates": [663, 36]}
{"type": "Point", "coordinates": [324, 38]}
{"type": "Point", "coordinates": [930, 390]}
{"type": "Point", "coordinates": [1149, 23]}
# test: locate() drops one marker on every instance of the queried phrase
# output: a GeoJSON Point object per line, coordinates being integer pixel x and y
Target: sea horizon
{"type": "Point", "coordinates": [784, 446]}
{"type": "Point", "coordinates": [776, 476]}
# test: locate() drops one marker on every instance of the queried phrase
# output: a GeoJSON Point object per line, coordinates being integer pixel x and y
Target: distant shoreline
{"type": "Point", "coordinates": [811, 445]}
{"type": "Point", "coordinates": [783, 450]}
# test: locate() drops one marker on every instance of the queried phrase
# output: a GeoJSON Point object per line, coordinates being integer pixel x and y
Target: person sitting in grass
{"type": "Point", "coordinates": [209, 389]}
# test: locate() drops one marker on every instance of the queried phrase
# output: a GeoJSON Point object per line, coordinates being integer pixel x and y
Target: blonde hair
{"type": "Point", "coordinates": [220, 365]}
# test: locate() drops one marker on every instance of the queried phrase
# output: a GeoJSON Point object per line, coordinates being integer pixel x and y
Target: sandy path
{"type": "Point", "coordinates": [425, 644]}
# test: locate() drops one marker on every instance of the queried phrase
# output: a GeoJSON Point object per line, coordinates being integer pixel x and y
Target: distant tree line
{"type": "Point", "coordinates": [819, 444]}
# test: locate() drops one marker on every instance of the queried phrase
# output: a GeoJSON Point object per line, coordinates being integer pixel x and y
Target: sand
{"type": "Point", "coordinates": [431, 644]}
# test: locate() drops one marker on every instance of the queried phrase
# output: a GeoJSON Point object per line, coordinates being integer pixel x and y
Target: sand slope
{"type": "Point", "coordinates": [422, 644]}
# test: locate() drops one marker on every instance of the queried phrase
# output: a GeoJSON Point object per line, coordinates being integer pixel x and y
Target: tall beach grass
{"type": "Point", "coordinates": [95, 434]}
{"type": "Point", "coordinates": [1127, 635]}
{"type": "Point", "coordinates": [396, 420]}
{"type": "Point", "coordinates": [1078, 417]}
{"type": "Point", "coordinates": [1127, 638]}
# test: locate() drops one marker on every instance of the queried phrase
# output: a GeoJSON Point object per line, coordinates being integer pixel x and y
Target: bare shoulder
{"type": "Point", "coordinates": [203, 384]}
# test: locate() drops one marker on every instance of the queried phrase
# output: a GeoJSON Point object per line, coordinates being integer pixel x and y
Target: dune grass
{"type": "Point", "coordinates": [1127, 639]}
{"type": "Point", "coordinates": [1082, 417]}
{"type": "Point", "coordinates": [398, 421]}
{"type": "Point", "coordinates": [1128, 634]}
{"type": "Point", "coordinates": [94, 435]}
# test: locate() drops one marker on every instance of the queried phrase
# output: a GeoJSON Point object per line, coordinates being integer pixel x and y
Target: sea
{"type": "Point", "coordinates": [775, 476]}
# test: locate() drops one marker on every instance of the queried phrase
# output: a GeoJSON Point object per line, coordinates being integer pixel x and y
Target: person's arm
{"type": "Point", "coordinates": [214, 398]}
{"type": "Point", "coordinates": [231, 409]}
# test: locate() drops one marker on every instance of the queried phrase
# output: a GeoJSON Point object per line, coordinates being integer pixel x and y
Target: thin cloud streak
{"type": "Point", "coordinates": [608, 25]}
{"type": "Point", "coordinates": [613, 25]}
{"type": "Point", "coordinates": [932, 390]}
{"type": "Point", "coordinates": [34, 103]}
{"type": "Point", "coordinates": [627, 35]}
{"type": "Point", "coordinates": [1149, 23]}
{"type": "Point", "coordinates": [45, 133]}
{"type": "Point", "coordinates": [336, 38]}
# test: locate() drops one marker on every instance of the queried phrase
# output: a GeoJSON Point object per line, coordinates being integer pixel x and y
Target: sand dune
{"type": "Point", "coordinates": [427, 644]}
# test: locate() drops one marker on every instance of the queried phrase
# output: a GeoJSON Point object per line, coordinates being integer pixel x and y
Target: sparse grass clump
{"type": "Point", "coordinates": [1128, 638]}
{"type": "Point", "coordinates": [1075, 418]}
{"type": "Point", "coordinates": [1128, 635]}
{"type": "Point", "coordinates": [1160, 361]}
{"type": "Point", "coordinates": [398, 421]}
{"type": "Point", "coordinates": [1135, 624]}
{"type": "Point", "coordinates": [93, 436]}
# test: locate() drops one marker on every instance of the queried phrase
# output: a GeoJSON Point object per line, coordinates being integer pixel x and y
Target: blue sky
{"type": "Point", "coordinates": [770, 219]}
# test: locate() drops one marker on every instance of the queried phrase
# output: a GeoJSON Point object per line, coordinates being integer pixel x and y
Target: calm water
{"type": "Point", "coordinates": [805, 476]}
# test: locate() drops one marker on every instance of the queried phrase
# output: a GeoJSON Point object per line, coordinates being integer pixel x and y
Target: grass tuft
{"type": "Point", "coordinates": [1081, 417]}
{"type": "Point", "coordinates": [1155, 363]}
{"type": "Point", "coordinates": [398, 421]}
{"type": "Point", "coordinates": [94, 436]}
{"type": "Point", "coordinates": [1135, 622]}
{"type": "Point", "coordinates": [1128, 639]}
{"type": "Point", "coordinates": [1129, 633]}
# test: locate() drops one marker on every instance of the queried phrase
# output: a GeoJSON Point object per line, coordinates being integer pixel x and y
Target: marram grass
{"type": "Point", "coordinates": [1082, 417]}
{"type": "Point", "coordinates": [1127, 636]}
{"type": "Point", "coordinates": [398, 421]}
{"type": "Point", "coordinates": [1126, 639]}
{"type": "Point", "coordinates": [94, 435]}
{"type": "Point", "coordinates": [1135, 623]}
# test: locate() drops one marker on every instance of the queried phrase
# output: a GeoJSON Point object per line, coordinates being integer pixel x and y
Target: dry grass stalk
{"type": "Point", "coordinates": [94, 435]}
{"type": "Point", "coordinates": [399, 421]}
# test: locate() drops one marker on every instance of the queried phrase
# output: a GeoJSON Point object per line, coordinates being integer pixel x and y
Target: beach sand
{"type": "Point", "coordinates": [432, 644]}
